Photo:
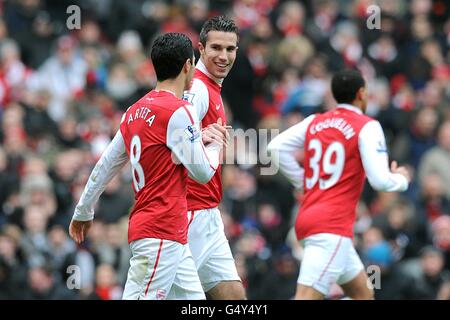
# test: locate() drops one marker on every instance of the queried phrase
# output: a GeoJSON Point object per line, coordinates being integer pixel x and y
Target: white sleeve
{"type": "Point", "coordinates": [374, 156]}
{"type": "Point", "coordinates": [110, 163]}
{"type": "Point", "coordinates": [184, 138]}
{"type": "Point", "coordinates": [198, 96]}
{"type": "Point", "coordinates": [282, 149]}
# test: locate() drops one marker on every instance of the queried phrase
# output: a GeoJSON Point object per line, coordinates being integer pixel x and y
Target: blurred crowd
{"type": "Point", "coordinates": [62, 94]}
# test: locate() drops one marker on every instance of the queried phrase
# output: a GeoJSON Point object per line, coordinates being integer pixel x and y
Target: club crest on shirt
{"type": "Point", "coordinates": [189, 97]}
{"type": "Point", "coordinates": [381, 147]}
{"type": "Point", "coordinates": [192, 133]}
{"type": "Point", "coordinates": [160, 294]}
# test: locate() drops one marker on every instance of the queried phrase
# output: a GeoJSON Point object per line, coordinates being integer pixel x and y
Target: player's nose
{"type": "Point", "coordinates": [223, 56]}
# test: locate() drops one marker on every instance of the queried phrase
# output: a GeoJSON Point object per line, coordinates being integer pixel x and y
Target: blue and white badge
{"type": "Point", "coordinates": [189, 97]}
{"type": "Point", "coordinates": [192, 133]}
{"type": "Point", "coordinates": [381, 147]}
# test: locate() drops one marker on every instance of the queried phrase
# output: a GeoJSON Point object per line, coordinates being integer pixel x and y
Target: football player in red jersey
{"type": "Point", "coordinates": [156, 134]}
{"type": "Point", "coordinates": [341, 147]}
{"type": "Point", "coordinates": [207, 240]}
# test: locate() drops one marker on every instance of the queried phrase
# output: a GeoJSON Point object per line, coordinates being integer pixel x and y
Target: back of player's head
{"type": "Point", "coordinates": [345, 85]}
{"type": "Point", "coordinates": [169, 54]}
{"type": "Point", "coordinates": [218, 23]}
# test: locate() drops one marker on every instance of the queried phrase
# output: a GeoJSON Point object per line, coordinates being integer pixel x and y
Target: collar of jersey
{"type": "Point", "coordinates": [168, 91]}
{"type": "Point", "coordinates": [200, 66]}
{"type": "Point", "coordinates": [349, 107]}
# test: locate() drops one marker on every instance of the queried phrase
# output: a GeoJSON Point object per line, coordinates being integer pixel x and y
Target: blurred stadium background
{"type": "Point", "coordinates": [62, 93]}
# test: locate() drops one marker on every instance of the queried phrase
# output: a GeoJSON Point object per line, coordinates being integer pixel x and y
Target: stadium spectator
{"type": "Point", "coordinates": [437, 159]}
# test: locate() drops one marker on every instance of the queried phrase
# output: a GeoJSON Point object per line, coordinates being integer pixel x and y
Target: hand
{"type": "Point", "coordinates": [79, 229]}
{"type": "Point", "coordinates": [400, 170]}
{"type": "Point", "coordinates": [217, 133]}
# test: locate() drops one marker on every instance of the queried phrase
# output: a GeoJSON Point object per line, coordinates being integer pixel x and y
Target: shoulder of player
{"type": "Point", "coordinates": [168, 104]}
{"type": "Point", "coordinates": [370, 129]}
{"type": "Point", "coordinates": [367, 118]}
{"type": "Point", "coordinates": [199, 87]}
{"type": "Point", "coordinates": [144, 101]}
{"type": "Point", "coordinates": [198, 94]}
{"type": "Point", "coordinates": [163, 107]}
{"type": "Point", "coordinates": [361, 119]}
{"type": "Point", "coordinates": [184, 109]}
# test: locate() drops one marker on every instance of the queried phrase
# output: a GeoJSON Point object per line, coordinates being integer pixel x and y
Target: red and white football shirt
{"type": "Point", "coordinates": [204, 95]}
{"type": "Point", "coordinates": [334, 174]}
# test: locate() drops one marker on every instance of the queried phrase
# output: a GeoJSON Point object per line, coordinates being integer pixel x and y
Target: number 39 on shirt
{"type": "Point", "coordinates": [331, 163]}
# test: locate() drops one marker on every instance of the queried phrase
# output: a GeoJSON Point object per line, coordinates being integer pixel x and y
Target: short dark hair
{"type": "Point", "coordinates": [169, 53]}
{"type": "Point", "coordinates": [218, 23]}
{"type": "Point", "coordinates": [345, 84]}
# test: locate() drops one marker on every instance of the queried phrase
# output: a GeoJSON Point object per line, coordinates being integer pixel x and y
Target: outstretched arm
{"type": "Point", "coordinates": [110, 163]}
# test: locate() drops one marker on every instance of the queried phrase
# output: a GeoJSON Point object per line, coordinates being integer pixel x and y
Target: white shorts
{"type": "Point", "coordinates": [328, 259]}
{"type": "Point", "coordinates": [162, 269]}
{"type": "Point", "coordinates": [210, 248]}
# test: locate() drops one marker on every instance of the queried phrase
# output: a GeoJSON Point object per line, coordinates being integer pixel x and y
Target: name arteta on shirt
{"type": "Point", "coordinates": [336, 123]}
{"type": "Point", "coordinates": [141, 113]}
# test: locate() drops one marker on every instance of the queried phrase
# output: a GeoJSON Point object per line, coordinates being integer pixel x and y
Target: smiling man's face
{"type": "Point", "coordinates": [219, 53]}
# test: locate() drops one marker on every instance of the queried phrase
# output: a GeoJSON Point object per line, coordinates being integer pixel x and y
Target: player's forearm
{"type": "Point", "coordinates": [391, 183]}
{"type": "Point", "coordinates": [112, 160]}
{"type": "Point", "coordinates": [282, 149]}
{"type": "Point", "coordinates": [290, 168]}
{"type": "Point", "coordinates": [205, 164]}
{"type": "Point", "coordinates": [287, 164]}
{"type": "Point", "coordinates": [184, 138]}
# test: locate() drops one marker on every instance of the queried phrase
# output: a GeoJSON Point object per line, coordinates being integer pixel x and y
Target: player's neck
{"type": "Point", "coordinates": [172, 85]}
{"type": "Point", "coordinates": [360, 105]}
{"type": "Point", "coordinates": [351, 107]}
{"type": "Point", "coordinates": [202, 67]}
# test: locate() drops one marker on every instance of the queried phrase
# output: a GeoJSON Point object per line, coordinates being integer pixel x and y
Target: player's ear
{"type": "Point", "coordinates": [360, 95]}
{"type": "Point", "coordinates": [201, 48]}
{"type": "Point", "coordinates": [187, 65]}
